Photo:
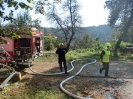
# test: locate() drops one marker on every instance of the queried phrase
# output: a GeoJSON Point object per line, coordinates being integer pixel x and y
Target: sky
{"type": "Point", "coordinates": [92, 13]}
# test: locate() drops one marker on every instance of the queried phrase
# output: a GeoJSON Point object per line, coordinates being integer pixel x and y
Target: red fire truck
{"type": "Point", "coordinates": [24, 48]}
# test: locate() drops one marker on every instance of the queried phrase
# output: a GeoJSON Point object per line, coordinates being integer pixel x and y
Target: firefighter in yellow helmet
{"type": "Point", "coordinates": [61, 51]}
{"type": "Point", "coordinates": [105, 58]}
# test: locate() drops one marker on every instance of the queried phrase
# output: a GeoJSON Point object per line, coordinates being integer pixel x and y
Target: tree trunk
{"type": "Point", "coordinates": [125, 31]}
{"type": "Point", "coordinates": [117, 46]}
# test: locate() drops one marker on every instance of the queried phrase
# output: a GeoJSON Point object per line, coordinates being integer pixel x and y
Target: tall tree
{"type": "Point", "coordinates": [7, 4]}
{"type": "Point", "coordinates": [24, 19]}
{"type": "Point", "coordinates": [14, 5]}
{"type": "Point", "coordinates": [121, 15]}
{"type": "Point", "coordinates": [67, 20]}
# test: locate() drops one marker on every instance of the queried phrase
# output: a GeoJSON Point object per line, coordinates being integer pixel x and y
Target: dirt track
{"type": "Point", "coordinates": [119, 84]}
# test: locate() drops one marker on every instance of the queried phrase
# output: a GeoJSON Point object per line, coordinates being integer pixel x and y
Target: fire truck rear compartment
{"type": "Point", "coordinates": [22, 51]}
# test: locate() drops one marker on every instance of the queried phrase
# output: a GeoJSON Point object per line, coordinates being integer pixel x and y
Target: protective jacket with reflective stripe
{"type": "Point", "coordinates": [106, 56]}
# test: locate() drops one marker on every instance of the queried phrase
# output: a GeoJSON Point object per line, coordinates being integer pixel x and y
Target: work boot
{"type": "Point", "coordinates": [106, 76]}
{"type": "Point", "coordinates": [106, 72]}
{"type": "Point", "coordinates": [100, 70]}
{"type": "Point", "coordinates": [66, 73]}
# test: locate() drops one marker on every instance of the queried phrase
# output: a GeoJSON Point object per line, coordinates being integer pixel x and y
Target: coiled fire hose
{"type": "Point", "coordinates": [61, 84]}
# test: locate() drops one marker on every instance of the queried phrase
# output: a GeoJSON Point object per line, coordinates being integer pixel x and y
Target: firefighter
{"type": "Point", "coordinates": [61, 51]}
{"type": "Point", "coordinates": [105, 59]}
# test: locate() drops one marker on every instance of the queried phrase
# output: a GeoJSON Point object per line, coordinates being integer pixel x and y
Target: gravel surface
{"type": "Point", "coordinates": [119, 84]}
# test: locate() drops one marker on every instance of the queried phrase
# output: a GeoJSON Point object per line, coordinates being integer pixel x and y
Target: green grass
{"type": "Point", "coordinates": [33, 94]}
{"type": "Point", "coordinates": [47, 58]}
{"type": "Point", "coordinates": [71, 55]}
{"type": "Point", "coordinates": [21, 91]}
{"type": "Point", "coordinates": [81, 53]}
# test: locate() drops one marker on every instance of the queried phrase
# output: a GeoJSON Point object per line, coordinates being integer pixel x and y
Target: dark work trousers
{"type": "Point", "coordinates": [106, 67]}
{"type": "Point", "coordinates": [64, 64]}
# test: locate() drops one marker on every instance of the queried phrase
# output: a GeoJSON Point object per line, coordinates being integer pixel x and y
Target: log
{"type": "Point", "coordinates": [4, 75]}
{"type": "Point", "coordinates": [16, 77]}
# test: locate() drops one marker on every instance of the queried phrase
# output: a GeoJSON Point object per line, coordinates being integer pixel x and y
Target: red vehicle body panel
{"type": "Point", "coordinates": [25, 42]}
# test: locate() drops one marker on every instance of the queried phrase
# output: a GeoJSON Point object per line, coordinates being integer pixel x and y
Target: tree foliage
{"type": "Point", "coordinates": [103, 32]}
{"type": "Point", "coordinates": [12, 4]}
{"type": "Point", "coordinates": [120, 11]}
{"type": "Point", "coordinates": [10, 32]}
{"type": "Point", "coordinates": [121, 15]}
{"type": "Point", "coordinates": [40, 5]}
{"type": "Point", "coordinates": [13, 33]}
{"type": "Point", "coordinates": [50, 41]}
{"type": "Point", "coordinates": [22, 25]}
{"type": "Point", "coordinates": [24, 19]}
{"type": "Point", "coordinates": [67, 20]}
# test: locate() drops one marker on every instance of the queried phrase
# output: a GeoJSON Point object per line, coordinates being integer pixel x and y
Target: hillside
{"type": "Point", "coordinates": [103, 32]}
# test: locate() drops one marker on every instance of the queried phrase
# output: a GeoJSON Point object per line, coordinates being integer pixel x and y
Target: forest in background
{"type": "Point", "coordinates": [103, 32]}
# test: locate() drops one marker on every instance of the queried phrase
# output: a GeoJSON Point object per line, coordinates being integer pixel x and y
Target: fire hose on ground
{"type": "Point", "coordinates": [67, 92]}
{"type": "Point", "coordinates": [61, 84]}
{"type": "Point", "coordinates": [6, 80]}
{"type": "Point", "coordinates": [47, 74]}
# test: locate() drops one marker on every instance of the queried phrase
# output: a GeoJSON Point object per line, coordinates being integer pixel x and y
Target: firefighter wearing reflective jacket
{"type": "Point", "coordinates": [61, 51]}
{"type": "Point", "coordinates": [105, 58]}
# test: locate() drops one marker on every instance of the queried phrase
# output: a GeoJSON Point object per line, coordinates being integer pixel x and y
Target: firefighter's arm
{"type": "Point", "coordinates": [57, 51]}
{"type": "Point", "coordinates": [101, 55]}
{"type": "Point", "coordinates": [65, 50]}
{"type": "Point", "coordinates": [110, 56]}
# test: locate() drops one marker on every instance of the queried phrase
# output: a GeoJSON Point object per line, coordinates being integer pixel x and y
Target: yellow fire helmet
{"type": "Point", "coordinates": [107, 44]}
{"type": "Point", "coordinates": [61, 44]}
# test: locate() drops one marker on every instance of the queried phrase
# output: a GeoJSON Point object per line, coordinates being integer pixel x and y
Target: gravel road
{"type": "Point", "coordinates": [119, 84]}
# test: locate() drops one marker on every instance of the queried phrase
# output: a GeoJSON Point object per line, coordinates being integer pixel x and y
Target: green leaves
{"type": "Point", "coordinates": [1, 14]}
{"type": "Point", "coordinates": [11, 32]}
{"type": "Point", "coordinates": [22, 5]}
{"type": "Point", "coordinates": [31, 8]}
{"type": "Point", "coordinates": [41, 3]}
{"type": "Point", "coordinates": [14, 4]}
{"type": "Point", "coordinates": [1, 6]}
{"type": "Point", "coordinates": [11, 13]}
{"type": "Point", "coordinates": [29, 1]}
{"type": "Point", "coordinates": [16, 7]}
{"type": "Point", "coordinates": [14, 32]}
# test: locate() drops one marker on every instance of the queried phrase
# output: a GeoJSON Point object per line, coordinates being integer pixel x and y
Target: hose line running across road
{"type": "Point", "coordinates": [70, 77]}
{"type": "Point", "coordinates": [67, 92]}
